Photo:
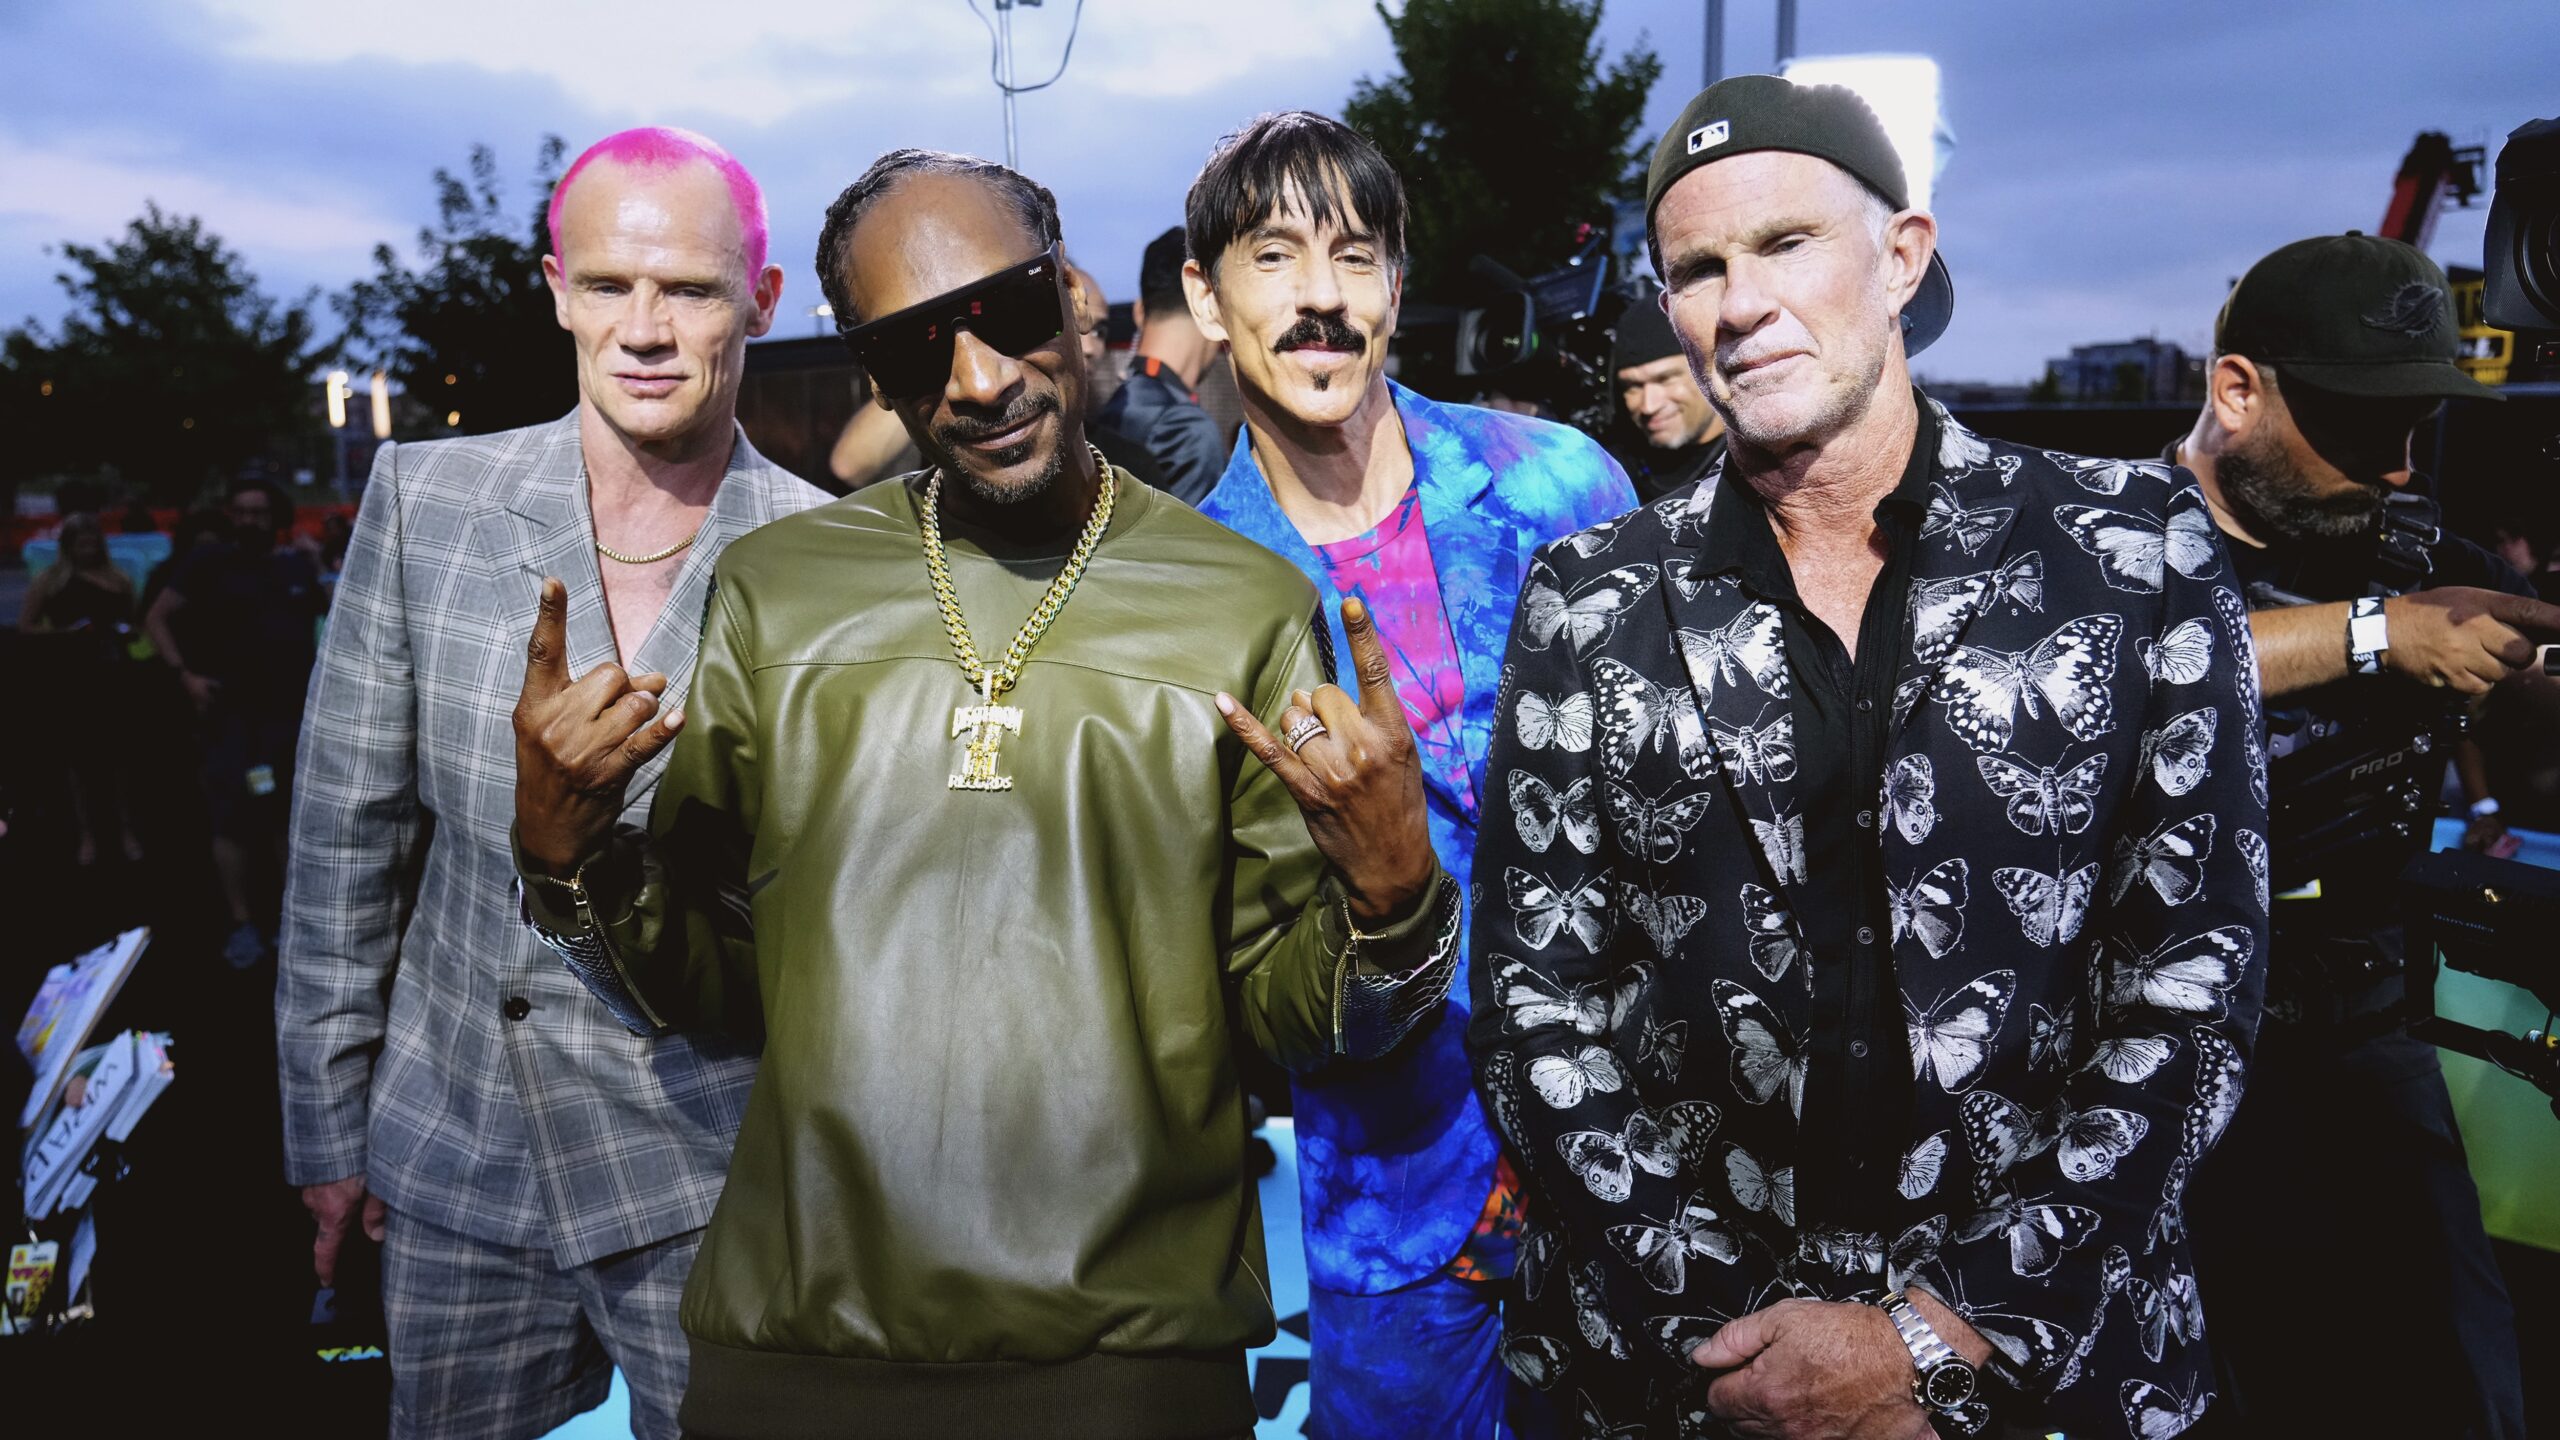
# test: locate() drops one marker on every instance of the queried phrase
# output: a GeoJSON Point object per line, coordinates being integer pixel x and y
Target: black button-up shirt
{"type": "Point", "coordinates": [1858, 1079]}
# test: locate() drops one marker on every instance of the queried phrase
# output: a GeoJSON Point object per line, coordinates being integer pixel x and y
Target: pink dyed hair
{"type": "Point", "coordinates": [663, 147]}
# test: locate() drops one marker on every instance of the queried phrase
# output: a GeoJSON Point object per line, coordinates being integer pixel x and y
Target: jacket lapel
{"type": "Point", "coordinates": [738, 506]}
{"type": "Point", "coordinates": [1478, 554]}
{"type": "Point", "coordinates": [1962, 565]}
{"type": "Point", "coordinates": [555, 536]}
{"type": "Point", "coordinates": [1243, 503]}
{"type": "Point", "coordinates": [1732, 650]}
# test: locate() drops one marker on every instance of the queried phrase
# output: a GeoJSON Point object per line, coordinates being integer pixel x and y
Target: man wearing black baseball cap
{"type": "Point", "coordinates": [1788, 1043]}
{"type": "Point", "coordinates": [1676, 434]}
{"type": "Point", "coordinates": [2329, 355]}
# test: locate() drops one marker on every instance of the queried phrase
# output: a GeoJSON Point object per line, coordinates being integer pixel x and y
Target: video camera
{"type": "Point", "coordinates": [1543, 338]}
{"type": "Point", "coordinates": [2522, 259]}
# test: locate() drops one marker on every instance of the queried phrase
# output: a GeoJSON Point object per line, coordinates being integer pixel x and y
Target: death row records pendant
{"type": "Point", "coordinates": [986, 726]}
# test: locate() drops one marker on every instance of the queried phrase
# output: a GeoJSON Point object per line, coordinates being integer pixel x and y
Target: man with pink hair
{"type": "Point", "coordinates": [537, 1175]}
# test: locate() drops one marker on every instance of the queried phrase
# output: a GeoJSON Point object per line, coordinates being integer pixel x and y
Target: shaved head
{"type": "Point", "coordinates": [663, 147]}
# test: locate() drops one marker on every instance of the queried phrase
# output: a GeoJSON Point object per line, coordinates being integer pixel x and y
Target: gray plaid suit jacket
{"type": "Point", "coordinates": [403, 955]}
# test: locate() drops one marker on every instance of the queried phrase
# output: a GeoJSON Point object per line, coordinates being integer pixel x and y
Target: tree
{"type": "Point", "coordinates": [470, 333]}
{"type": "Point", "coordinates": [172, 367]}
{"type": "Point", "coordinates": [1507, 129]}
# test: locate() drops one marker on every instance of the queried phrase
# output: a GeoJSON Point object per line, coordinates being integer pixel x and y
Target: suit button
{"type": "Point", "coordinates": [517, 1007]}
{"type": "Point", "coordinates": [1857, 1049]}
{"type": "Point", "coordinates": [1866, 705]}
{"type": "Point", "coordinates": [1866, 819]}
{"type": "Point", "coordinates": [1866, 934]}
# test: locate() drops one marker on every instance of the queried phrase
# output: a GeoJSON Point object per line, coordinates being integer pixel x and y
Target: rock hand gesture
{"type": "Point", "coordinates": [579, 742]}
{"type": "Point", "coordinates": [1357, 776]}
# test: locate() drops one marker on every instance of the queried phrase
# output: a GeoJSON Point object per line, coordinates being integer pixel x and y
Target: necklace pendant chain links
{"type": "Point", "coordinates": [987, 723]}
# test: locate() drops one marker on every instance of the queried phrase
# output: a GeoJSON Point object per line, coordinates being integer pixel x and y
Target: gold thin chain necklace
{"type": "Point", "coordinates": [653, 557]}
{"type": "Point", "coordinates": [987, 723]}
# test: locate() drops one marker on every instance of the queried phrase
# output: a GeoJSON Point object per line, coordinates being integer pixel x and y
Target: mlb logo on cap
{"type": "Point", "coordinates": [1706, 135]}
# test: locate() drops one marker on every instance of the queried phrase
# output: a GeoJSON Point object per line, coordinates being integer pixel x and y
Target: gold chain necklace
{"type": "Point", "coordinates": [986, 724]}
{"type": "Point", "coordinates": [610, 553]}
{"type": "Point", "coordinates": [653, 557]}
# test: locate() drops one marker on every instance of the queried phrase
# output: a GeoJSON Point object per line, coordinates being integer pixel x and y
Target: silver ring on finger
{"type": "Point", "coordinates": [1307, 728]}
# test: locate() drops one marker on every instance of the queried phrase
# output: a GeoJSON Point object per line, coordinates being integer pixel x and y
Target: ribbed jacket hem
{"type": "Point", "coordinates": [739, 1394]}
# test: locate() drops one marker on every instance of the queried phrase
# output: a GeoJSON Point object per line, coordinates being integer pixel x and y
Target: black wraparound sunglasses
{"type": "Point", "coordinates": [1015, 310]}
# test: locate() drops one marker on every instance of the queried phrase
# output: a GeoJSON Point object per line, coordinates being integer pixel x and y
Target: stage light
{"type": "Point", "coordinates": [337, 399]}
{"type": "Point", "coordinates": [1903, 91]}
{"type": "Point", "coordinates": [381, 406]}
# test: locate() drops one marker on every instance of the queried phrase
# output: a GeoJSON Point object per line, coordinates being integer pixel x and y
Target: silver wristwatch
{"type": "Point", "coordinates": [2368, 635]}
{"type": "Point", "coordinates": [1942, 1382]}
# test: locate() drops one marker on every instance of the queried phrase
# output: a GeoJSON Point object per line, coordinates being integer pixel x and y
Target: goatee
{"type": "Point", "coordinates": [951, 436]}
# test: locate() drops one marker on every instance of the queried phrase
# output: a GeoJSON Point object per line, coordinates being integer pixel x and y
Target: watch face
{"type": "Point", "coordinates": [1949, 1384]}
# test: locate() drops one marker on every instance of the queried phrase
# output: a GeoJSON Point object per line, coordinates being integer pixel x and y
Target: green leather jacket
{"type": "Point", "coordinates": [993, 1165]}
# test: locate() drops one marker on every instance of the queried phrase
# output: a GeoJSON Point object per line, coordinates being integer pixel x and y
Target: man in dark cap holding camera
{"type": "Point", "coordinates": [2328, 357]}
{"type": "Point", "coordinates": [1678, 434]}
{"type": "Point", "coordinates": [1856, 1053]}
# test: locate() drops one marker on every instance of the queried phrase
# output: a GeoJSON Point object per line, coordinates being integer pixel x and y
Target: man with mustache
{"type": "Point", "coordinates": [1862, 1054]}
{"type": "Point", "coordinates": [539, 1177]}
{"type": "Point", "coordinates": [998, 911]}
{"type": "Point", "coordinates": [2329, 355]}
{"type": "Point", "coordinates": [1427, 513]}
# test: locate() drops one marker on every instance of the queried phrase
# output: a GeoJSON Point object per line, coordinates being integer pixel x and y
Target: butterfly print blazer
{"type": "Point", "coordinates": [2072, 814]}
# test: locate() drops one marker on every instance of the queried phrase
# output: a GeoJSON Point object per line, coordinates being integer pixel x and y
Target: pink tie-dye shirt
{"type": "Point", "coordinates": [1390, 569]}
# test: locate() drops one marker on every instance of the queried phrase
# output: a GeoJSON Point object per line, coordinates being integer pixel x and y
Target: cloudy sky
{"type": "Point", "coordinates": [2116, 162]}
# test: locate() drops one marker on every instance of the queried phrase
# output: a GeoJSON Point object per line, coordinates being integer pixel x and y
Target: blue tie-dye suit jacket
{"type": "Point", "coordinates": [1395, 1158]}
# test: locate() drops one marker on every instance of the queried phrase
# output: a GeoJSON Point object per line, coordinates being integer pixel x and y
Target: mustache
{"type": "Point", "coordinates": [1329, 330]}
{"type": "Point", "coordinates": [965, 429]}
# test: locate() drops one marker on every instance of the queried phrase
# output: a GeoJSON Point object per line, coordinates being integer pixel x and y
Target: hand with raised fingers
{"type": "Point", "coordinates": [578, 743]}
{"type": "Point", "coordinates": [1356, 774]}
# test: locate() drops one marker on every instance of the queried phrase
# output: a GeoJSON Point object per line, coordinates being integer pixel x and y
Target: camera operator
{"type": "Point", "coordinates": [1676, 433]}
{"type": "Point", "coordinates": [2338, 1221]}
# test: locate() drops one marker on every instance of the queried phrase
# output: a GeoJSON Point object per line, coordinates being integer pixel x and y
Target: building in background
{"type": "Point", "coordinates": [2147, 371]}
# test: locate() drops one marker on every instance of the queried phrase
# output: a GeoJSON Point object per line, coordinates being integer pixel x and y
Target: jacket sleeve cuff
{"type": "Point", "coordinates": [550, 909]}
{"type": "Point", "coordinates": [1390, 981]}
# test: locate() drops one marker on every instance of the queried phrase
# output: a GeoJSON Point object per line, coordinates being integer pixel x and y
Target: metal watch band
{"type": "Point", "coordinates": [1928, 1352]}
{"type": "Point", "coordinates": [2368, 635]}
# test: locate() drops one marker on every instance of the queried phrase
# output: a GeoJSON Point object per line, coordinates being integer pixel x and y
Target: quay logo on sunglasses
{"type": "Point", "coordinates": [1016, 310]}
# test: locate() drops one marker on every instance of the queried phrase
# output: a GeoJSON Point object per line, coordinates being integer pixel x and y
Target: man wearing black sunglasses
{"type": "Point", "coordinates": [997, 924]}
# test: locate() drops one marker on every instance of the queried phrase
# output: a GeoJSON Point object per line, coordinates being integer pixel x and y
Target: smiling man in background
{"type": "Point", "coordinates": [539, 1177]}
{"type": "Point", "coordinates": [1680, 434]}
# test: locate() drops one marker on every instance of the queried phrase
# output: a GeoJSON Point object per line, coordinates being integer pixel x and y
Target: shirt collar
{"type": "Point", "coordinates": [1738, 537]}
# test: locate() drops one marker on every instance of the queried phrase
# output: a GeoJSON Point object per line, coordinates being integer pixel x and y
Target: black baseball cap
{"type": "Point", "coordinates": [1743, 113]}
{"type": "Point", "coordinates": [2356, 314]}
{"type": "Point", "coordinates": [1642, 335]}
